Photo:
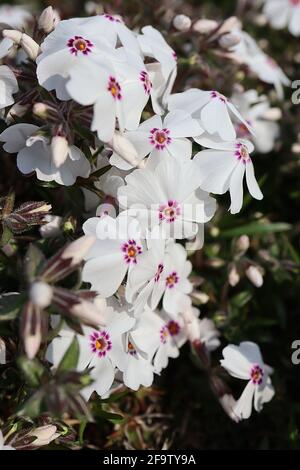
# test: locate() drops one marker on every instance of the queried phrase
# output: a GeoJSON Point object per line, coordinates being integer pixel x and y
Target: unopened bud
{"type": "Point", "coordinates": [182, 22]}
{"type": "Point", "coordinates": [205, 26]}
{"type": "Point", "coordinates": [31, 327]}
{"type": "Point", "coordinates": [255, 276]}
{"type": "Point", "coordinates": [48, 20]}
{"type": "Point", "coordinates": [60, 150]}
{"type": "Point", "coordinates": [229, 40]}
{"type": "Point", "coordinates": [273, 114]}
{"type": "Point", "coordinates": [16, 111]}
{"type": "Point", "coordinates": [78, 249]}
{"type": "Point", "coordinates": [125, 149]}
{"type": "Point", "coordinates": [44, 435]}
{"type": "Point", "coordinates": [233, 276]}
{"type": "Point", "coordinates": [243, 243]}
{"type": "Point", "coordinates": [41, 294]}
{"type": "Point", "coordinates": [29, 46]}
{"type": "Point", "coordinates": [40, 110]}
{"type": "Point", "coordinates": [13, 34]}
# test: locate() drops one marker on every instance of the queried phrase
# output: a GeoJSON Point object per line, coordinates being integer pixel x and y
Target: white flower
{"type": "Point", "coordinates": [137, 369]}
{"type": "Point", "coordinates": [116, 250]}
{"type": "Point", "coordinates": [34, 154]}
{"type": "Point", "coordinates": [14, 16]}
{"type": "Point", "coordinates": [154, 45]}
{"type": "Point", "coordinates": [167, 198]}
{"type": "Point", "coordinates": [283, 13]}
{"type": "Point", "coordinates": [201, 330]}
{"type": "Point", "coordinates": [97, 83]}
{"type": "Point", "coordinates": [245, 362]}
{"type": "Point", "coordinates": [73, 41]}
{"type": "Point", "coordinates": [165, 336]}
{"type": "Point", "coordinates": [160, 139]}
{"type": "Point", "coordinates": [2, 445]}
{"type": "Point", "coordinates": [223, 167]}
{"type": "Point", "coordinates": [44, 435]}
{"type": "Point", "coordinates": [103, 349]}
{"type": "Point", "coordinates": [8, 86]}
{"type": "Point", "coordinates": [255, 276]}
{"type": "Point", "coordinates": [212, 108]}
{"type": "Point", "coordinates": [249, 53]}
{"type": "Point", "coordinates": [100, 348]}
{"type": "Point", "coordinates": [162, 271]}
{"type": "Point", "coordinates": [255, 110]}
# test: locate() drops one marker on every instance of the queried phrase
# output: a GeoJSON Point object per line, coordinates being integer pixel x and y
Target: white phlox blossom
{"type": "Point", "coordinates": [283, 13]}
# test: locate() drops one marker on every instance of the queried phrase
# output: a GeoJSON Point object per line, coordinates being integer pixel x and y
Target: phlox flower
{"type": "Point", "coordinates": [99, 348]}
{"type": "Point", "coordinates": [116, 250]}
{"type": "Point", "coordinates": [14, 16]}
{"type": "Point", "coordinates": [167, 198]}
{"type": "Point", "coordinates": [222, 168]}
{"type": "Point", "coordinates": [161, 138]}
{"type": "Point", "coordinates": [73, 41]}
{"type": "Point", "coordinates": [245, 362]}
{"type": "Point", "coordinates": [8, 86]}
{"type": "Point", "coordinates": [34, 154]}
{"type": "Point", "coordinates": [167, 336]}
{"type": "Point", "coordinates": [255, 110]}
{"type": "Point", "coordinates": [162, 271]}
{"type": "Point", "coordinates": [282, 13]}
{"type": "Point", "coordinates": [213, 110]}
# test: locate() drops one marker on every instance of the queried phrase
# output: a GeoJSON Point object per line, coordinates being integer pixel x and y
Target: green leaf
{"type": "Point", "coordinates": [70, 358]}
{"type": "Point", "coordinates": [112, 417]}
{"type": "Point", "coordinates": [255, 228]}
{"type": "Point", "coordinates": [101, 171]}
{"type": "Point", "coordinates": [241, 299]}
{"type": "Point", "coordinates": [7, 235]}
{"type": "Point", "coordinates": [34, 260]}
{"type": "Point", "coordinates": [10, 305]}
{"type": "Point", "coordinates": [33, 371]}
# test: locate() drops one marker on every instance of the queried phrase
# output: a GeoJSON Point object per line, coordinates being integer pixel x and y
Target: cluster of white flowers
{"type": "Point", "coordinates": [138, 264]}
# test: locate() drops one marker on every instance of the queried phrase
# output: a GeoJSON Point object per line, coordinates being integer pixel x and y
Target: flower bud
{"type": "Point", "coordinates": [243, 243]}
{"type": "Point", "coordinates": [182, 22]}
{"type": "Point", "coordinates": [28, 214]}
{"type": "Point", "coordinates": [44, 435]}
{"type": "Point", "coordinates": [16, 111]}
{"type": "Point", "coordinates": [229, 40]}
{"type": "Point", "coordinates": [40, 110]}
{"type": "Point", "coordinates": [125, 149]}
{"type": "Point", "coordinates": [273, 114]}
{"type": "Point", "coordinates": [13, 34]}
{"type": "Point", "coordinates": [31, 329]}
{"type": "Point", "coordinates": [255, 276]}
{"type": "Point", "coordinates": [205, 26]}
{"type": "Point", "coordinates": [41, 294]}
{"type": "Point", "coordinates": [233, 276]}
{"type": "Point", "coordinates": [48, 20]}
{"type": "Point", "coordinates": [60, 150]}
{"type": "Point", "coordinates": [78, 249]}
{"type": "Point", "coordinates": [29, 46]}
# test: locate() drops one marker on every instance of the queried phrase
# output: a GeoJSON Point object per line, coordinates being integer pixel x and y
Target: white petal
{"type": "Point", "coordinates": [253, 187]}
{"type": "Point", "coordinates": [236, 188]}
{"type": "Point", "coordinates": [243, 406]}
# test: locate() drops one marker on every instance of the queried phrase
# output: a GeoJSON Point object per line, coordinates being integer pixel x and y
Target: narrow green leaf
{"type": "Point", "coordinates": [255, 228]}
{"type": "Point", "coordinates": [70, 358]}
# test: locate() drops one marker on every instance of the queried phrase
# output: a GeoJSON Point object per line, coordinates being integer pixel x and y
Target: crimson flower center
{"type": "Point", "coordinates": [256, 374]}
{"type": "Point", "coordinates": [172, 279]}
{"type": "Point", "coordinates": [131, 250]}
{"type": "Point", "coordinates": [79, 44]}
{"type": "Point", "coordinates": [160, 138]}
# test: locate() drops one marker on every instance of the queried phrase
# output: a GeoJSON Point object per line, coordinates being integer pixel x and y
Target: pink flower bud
{"type": "Point", "coordinates": [12, 34]}
{"type": "Point", "coordinates": [182, 22]}
{"type": "Point", "coordinates": [229, 40]}
{"type": "Point", "coordinates": [78, 249]}
{"type": "Point", "coordinates": [125, 149]}
{"type": "Point", "coordinates": [233, 276]}
{"type": "Point", "coordinates": [205, 26]}
{"type": "Point", "coordinates": [41, 294]}
{"type": "Point", "coordinates": [255, 276]}
{"type": "Point", "coordinates": [29, 46]}
{"type": "Point", "coordinates": [48, 20]}
{"type": "Point", "coordinates": [44, 435]}
{"type": "Point", "coordinates": [60, 150]}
